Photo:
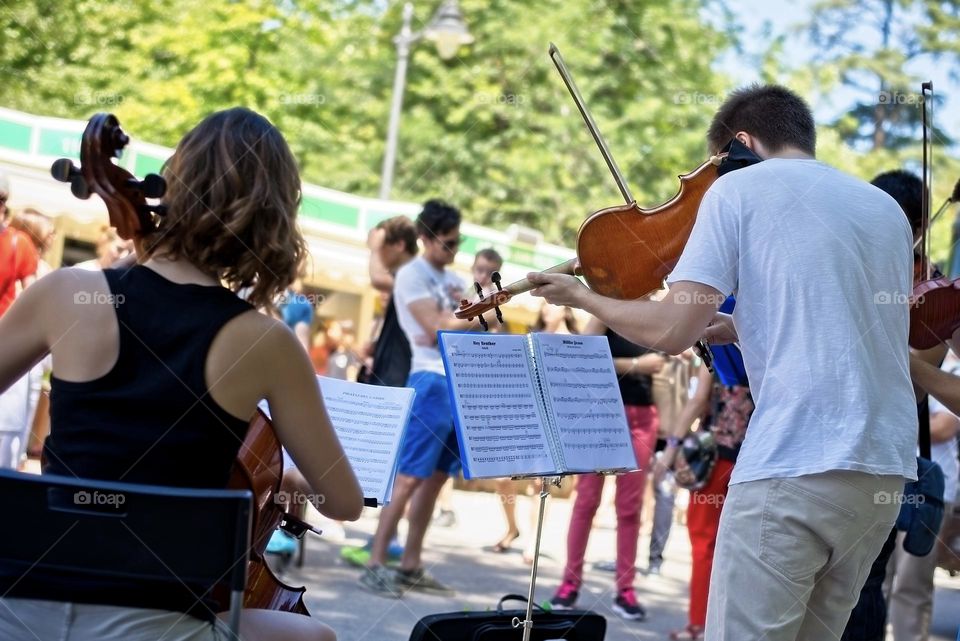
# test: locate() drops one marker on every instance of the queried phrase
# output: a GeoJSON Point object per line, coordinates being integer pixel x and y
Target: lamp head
{"type": "Point", "coordinates": [447, 30]}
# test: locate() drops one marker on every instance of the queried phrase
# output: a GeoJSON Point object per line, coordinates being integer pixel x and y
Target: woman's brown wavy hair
{"type": "Point", "coordinates": [233, 191]}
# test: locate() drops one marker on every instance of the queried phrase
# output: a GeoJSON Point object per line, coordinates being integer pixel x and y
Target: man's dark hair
{"type": "Point", "coordinates": [905, 188]}
{"type": "Point", "coordinates": [490, 254]}
{"type": "Point", "coordinates": [776, 116]}
{"type": "Point", "coordinates": [437, 218]}
{"type": "Point", "coordinates": [400, 228]}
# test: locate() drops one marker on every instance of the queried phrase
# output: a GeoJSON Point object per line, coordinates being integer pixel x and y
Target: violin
{"type": "Point", "coordinates": [935, 303]}
{"type": "Point", "coordinates": [259, 463]}
{"type": "Point", "coordinates": [624, 251]}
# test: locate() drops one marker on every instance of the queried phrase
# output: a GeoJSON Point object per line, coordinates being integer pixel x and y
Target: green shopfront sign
{"type": "Point", "coordinates": [39, 141]}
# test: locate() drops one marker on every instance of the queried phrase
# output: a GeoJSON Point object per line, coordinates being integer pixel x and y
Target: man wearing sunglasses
{"type": "Point", "coordinates": [425, 294]}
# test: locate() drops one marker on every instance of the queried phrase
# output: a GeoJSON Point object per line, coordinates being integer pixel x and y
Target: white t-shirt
{"type": "Point", "coordinates": [945, 454]}
{"type": "Point", "coordinates": [821, 264]}
{"type": "Point", "coordinates": [415, 281]}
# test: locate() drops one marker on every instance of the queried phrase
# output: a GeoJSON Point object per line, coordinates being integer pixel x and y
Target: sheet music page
{"type": "Point", "coordinates": [500, 425]}
{"type": "Point", "coordinates": [369, 421]}
{"type": "Point", "coordinates": [582, 392]}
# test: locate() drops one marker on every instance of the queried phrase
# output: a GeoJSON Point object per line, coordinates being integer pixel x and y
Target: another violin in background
{"type": "Point", "coordinates": [935, 303]}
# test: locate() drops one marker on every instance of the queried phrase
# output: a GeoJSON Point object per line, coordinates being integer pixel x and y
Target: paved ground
{"type": "Point", "coordinates": [455, 555]}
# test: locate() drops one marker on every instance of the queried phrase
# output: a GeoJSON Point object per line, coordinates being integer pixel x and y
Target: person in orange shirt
{"type": "Point", "coordinates": [18, 266]}
{"type": "Point", "coordinates": [18, 256]}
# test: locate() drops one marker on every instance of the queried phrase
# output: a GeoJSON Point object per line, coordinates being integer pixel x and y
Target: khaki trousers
{"type": "Point", "coordinates": [793, 553]}
{"type": "Point", "coordinates": [33, 619]}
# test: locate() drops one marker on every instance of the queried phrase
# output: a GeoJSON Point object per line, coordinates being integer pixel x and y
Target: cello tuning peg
{"type": "Point", "coordinates": [499, 314]}
{"type": "Point", "coordinates": [64, 170]}
{"type": "Point", "coordinates": [79, 188]}
{"type": "Point", "coordinates": [152, 185]}
{"type": "Point", "coordinates": [495, 277]}
{"type": "Point", "coordinates": [483, 322]}
{"type": "Point", "coordinates": [479, 289]}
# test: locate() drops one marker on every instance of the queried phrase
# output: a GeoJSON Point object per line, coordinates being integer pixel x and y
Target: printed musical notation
{"type": "Point", "coordinates": [538, 404]}
{"type": "Point", "coordinates": [498, 415]}
{"type": "Point", "coordinates": [581, 387]}
{"type": "Point", "coordinates": [369, 420]}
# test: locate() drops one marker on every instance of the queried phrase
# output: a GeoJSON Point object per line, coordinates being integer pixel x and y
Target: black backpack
{"type": "Point", "coordinates": [392, 355]}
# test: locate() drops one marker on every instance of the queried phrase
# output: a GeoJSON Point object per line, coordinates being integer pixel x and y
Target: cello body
{"type": "Point", "coordinates": [259, 468]}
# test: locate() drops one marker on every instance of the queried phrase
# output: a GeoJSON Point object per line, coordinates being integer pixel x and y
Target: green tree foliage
{"type": "Point", "coordinates": [866, 46]}
{"type": "Point", "coordinates": [492, 130]}
{"type": "Point", "coordinates": [869, 44]}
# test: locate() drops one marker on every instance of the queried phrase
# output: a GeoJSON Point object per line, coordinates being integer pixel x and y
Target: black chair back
{"type": "Point", "coordinates": [123, 530]}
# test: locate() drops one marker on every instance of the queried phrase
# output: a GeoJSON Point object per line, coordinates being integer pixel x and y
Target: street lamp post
{"type": "Point", "coordinates": [448, 31]}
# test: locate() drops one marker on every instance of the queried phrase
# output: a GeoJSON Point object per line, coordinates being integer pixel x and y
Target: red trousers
{"type": "Point", "coordinates": [643, 423]}
{"type": "Point", "coordinates": [703, 521]}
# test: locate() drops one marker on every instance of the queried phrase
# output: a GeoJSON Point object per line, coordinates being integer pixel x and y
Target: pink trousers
{"type": "Point", "coordinates": [643, 422]}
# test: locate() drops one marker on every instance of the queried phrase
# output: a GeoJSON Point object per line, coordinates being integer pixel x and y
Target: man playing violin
{"type": "Point", "coordinates": [813, 496]}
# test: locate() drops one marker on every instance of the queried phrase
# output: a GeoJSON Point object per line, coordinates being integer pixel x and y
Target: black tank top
{"type": "Point", "coordinates": [635, 389]}
{"type": "Point", "coordinates": [149, 420]}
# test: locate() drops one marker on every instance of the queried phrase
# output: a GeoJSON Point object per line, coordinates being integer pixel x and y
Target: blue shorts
{"type": "Point", "coordinates": [430, 442]}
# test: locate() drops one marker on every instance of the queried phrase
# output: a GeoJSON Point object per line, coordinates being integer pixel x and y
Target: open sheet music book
{"type": "Point", "coordinates": [369, 421]}
{"type": "Point", "coordinates": [536, 405]}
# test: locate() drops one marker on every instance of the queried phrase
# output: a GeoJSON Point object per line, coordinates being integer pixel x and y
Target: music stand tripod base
{"type": "Point", "coordinates": [527, 623]}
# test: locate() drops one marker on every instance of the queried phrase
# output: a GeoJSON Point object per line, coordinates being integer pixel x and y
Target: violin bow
{"type": "Point", "coordinates": [700, 346]}
{"type": "Point", "coordinates": [927, 179]}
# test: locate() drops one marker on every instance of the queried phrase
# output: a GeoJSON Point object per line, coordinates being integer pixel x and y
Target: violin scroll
{"type": "Point", "coordinates": [483, 304]}
{"type": "Point", "coordinates": [494, 300]}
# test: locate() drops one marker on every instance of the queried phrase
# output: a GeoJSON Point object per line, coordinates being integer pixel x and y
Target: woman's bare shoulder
{"type": "Point", "coordinates": [63, 289]}
{"type": "Point", "coordinates": [266, 339]}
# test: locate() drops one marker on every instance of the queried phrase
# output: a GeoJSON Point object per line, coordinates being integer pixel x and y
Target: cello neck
{"type": "Point", "coordinates": [591, 124]}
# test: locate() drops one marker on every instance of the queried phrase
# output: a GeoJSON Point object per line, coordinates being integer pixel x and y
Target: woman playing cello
{"type": "Point", "coordinates": [158, 368]}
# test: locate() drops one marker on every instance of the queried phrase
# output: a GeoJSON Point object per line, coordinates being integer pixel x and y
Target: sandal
{"type": "Point", "coordinates": [689, 633]}
{"type": "Point", "coordinates": [504, 544]}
